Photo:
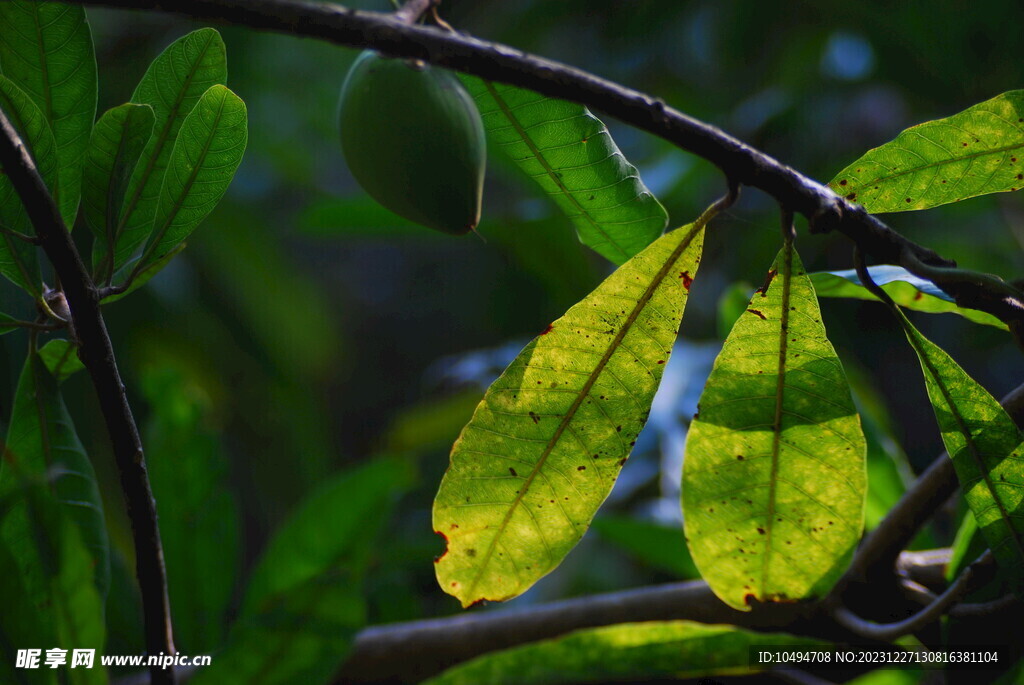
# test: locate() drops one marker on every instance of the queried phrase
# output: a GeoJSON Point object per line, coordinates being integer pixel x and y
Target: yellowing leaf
{"type": "Point", "coordinates": [547, 442]}
{"type": "Point", "coordinates": [974, 152]}
{"type": "Point", "coordinates": [774, 478]}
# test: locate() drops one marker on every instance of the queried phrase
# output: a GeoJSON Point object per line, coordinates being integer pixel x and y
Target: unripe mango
{"type": "Point", "coordinates": [414, 141]}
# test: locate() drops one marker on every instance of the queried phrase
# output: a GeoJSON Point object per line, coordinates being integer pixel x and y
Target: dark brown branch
{"type": "Point", "coordinates": [941, 605]}
{"type": "Point", "coordinates": [98, 357]}
{"type": "Point", "coordinates": [742, 163]}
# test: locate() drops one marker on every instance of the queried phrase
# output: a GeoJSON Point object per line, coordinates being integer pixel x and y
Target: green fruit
{"type": "Point", "coordinates": [414, 141]}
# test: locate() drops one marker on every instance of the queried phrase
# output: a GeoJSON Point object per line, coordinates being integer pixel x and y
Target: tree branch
{"type": "Point", "coordinates": [98, 357]}
{"type": "Point", "coordinates": [963, 584]}
{"type": "Point", "coordinates": [743, 164]}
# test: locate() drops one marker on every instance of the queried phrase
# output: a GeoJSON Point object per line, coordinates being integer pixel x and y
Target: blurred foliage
{"type": "Point", "coordinates": [312, 321]}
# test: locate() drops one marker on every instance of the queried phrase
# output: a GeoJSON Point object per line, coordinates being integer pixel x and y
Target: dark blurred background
{"type": "Point", "coordinates": [320, 330]}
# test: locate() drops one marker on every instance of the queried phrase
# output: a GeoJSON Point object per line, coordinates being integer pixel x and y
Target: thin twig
{"type": "Point", "coordinates": [31, 239]}
{"type": "Point", "coordinates": [98, 357]}
{"type": "Point", "coordinates": [890, 631]}
{"type": "Point", "coordinates": [495, 62]}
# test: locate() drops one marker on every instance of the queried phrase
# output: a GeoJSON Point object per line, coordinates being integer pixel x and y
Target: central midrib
{"type": "Point", "coordinates": [780, 385]}
{"type": "Point", "coordinates": [539, 154]}
{"type": "Point", "coordinates": [161, 141]}
{"type": "Point", "coordinates": [584, 391]}
{"type": "Point", "coordinates": [965, 431]}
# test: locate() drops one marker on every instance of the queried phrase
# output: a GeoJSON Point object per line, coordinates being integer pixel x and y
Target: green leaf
{"type": "Point", "coordinates": [301, 635]}
{"type": "Point", "coordinates": [18, 261]}
{"type": "Point", "coordinates": [305, 595]}
{"type": "Point", "coordinates": [144, 275]}
{"type": "Point", "coordinates": [658, 546]}
{"type": "Point", "coordinates": [985, 446]}
{"type": "Point", "coordinates": [117, 143]}
{"type": "Point", "coordinates": [61, 359]}
{"type": "Point", "coordinates": [199, 519]}
{"type": "Point", "coordinates": [546, 444]}
{"type": "Point", "coordinates": [329, 529]}
{"type": "Point", "coordinates": [70, 601]}
{"type": "Point", "coordinates": [774, 475]}
{"type": "Point", "coordinates": [46, 48]}
{"type": "Point", "coordinates": [906, 289]}
{"type": "Point", "coordinates": [22, 626]}
{"type": "Point", "coordinates": [655, 650]}
{"type": "Point", "coordinates": [7, 323]}
{"type": "Point", "coordinates": [172, 86]}
{"type": "Point", "coordinates": [975, 152]}
{"type": "Point", "coordinates": [206, 154]}
{"type": "Point", "coordinates": [41, 441]}
{"type": "Point", "coordinates": [571, 154]}
{"type": "Point", "coordinates": [967, 546]}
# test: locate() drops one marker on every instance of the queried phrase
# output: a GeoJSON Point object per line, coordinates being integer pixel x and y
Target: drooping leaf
{"type": "Point", "coordinates": [304, 597]}
{"type": "Point", "coordinates": [172, 86]}
{"type": "Point", "coordinates": [546, 444]}
{"type": "Point", "coordinates": [975, 152]}
{"type": "Point", "coordinates": [63, 569]}
{"type": "Point", "coordinates": [199, 519]}
{"type": "Point", "coordinates": [114, 149]}
{"type": "Point", "coordinates": [774, 477]}
{"type": "Point", "coordinates": [571, 154]}
{"type": "Point", "coordinates": [206, 154]}
{"type": "Point", "coordinates": [22, 626]}
{"type": "Point", "coordinates": [42, 442]}
{"type": "Point", "coordinates": [46, 48]}
{"type": "Point", "coordinates": [906, 289]}
{"type": "Point", "coordinates": [657, 650]}
{"type": "Point", "coordinates": [61, 359]}
{"type": "Point", "coordinates": [985, 446]}
{"type": "Point", "coordinates": [18, 261]}
{"type": "Point", "coordinates": [656, 545]}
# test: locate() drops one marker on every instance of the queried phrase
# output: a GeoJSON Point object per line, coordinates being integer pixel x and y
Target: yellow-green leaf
{"type": "Point", "coordinates": [985, 446]}
{"type": "Point", "coordinates": [906, 289]}
{"type": "Point", "coordinates": [657, 650]}
{"type": "Point", "coordinates": [774, 477]}
{"type": "Point", "coordinates": [974, 152]}
{"type": "Point", "coordinates": [546, 444]}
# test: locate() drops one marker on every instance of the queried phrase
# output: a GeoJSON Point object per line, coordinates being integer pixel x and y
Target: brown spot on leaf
{"type": "Point", "coordinates": [687, 279]}
{"type": "Point", "coordinates": [512, 471]}
{"type": "Point", "coordinates": [755, 311]}
{"type": "Point", "coordinates": [534, 417]}
{"type": "Point", "coordinates": [547, 330]}
{"type": "Point", "coordinates": [582, 468]}
{"type": "Point", "coordinates": [843, 182]}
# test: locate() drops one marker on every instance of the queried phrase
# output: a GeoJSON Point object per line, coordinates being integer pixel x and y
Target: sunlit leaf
{"type": "Point", "coordinates": [546, 444]}
{"type": "Point", "coordinates": [172, 86]}
{"type": "Point", "coordinates": [774, 476]}
{"type": "Point", "coordinates": [967, 546]}
{"type": "Point", "coordinates": [41, 441]}
{"type": "Point", "coordinates": [657, 650]}
{"type": "Point", "coordinates": [656, 545]}
{"type": "Point", "coordinates": [18, 260]}
{"type": "Point", "coordinates": [305, 594]}
{"type": "Point", "coordinates": [206, 154]}
{"type": "Point", "coordinates": [571, 154]}
{"type": "Point", "coordinates": [975, 152]}
{"type": "Point", "coordinates": [61, 359]}
{"type": "Point", "coordinates": [985, 446]}
{"type": "Point", "coordinates": [46, 48]}
{"type": "Point", "coordinates": [906, 289]}
{"type": "Point", "coordinates": [114, 149]}
{"type": "Point", "coordinates": [199, 518]}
